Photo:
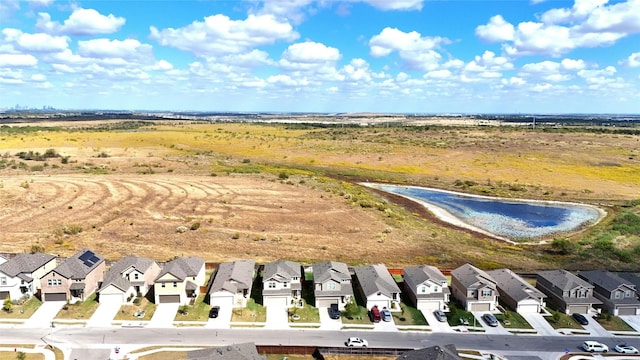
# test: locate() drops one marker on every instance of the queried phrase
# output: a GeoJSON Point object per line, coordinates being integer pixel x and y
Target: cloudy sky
{"type": "Point", "coordinates": [400, 56]}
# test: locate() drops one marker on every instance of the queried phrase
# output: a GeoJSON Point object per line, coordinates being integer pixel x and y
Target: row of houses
{"type": "Point", "coordinates": [426, 287]}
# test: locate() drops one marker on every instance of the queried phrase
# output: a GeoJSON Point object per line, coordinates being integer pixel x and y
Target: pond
{"type": "Point", "coordinates": [505, 219]}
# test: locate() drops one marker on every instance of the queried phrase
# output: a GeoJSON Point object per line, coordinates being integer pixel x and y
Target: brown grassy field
{"type": "Point", "coordinates": [273, 191]}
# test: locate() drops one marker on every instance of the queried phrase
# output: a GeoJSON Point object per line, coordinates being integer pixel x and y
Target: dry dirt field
{"type": "Point", "coordinates": [233, 191]}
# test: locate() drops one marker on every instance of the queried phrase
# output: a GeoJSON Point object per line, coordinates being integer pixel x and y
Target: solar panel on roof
{"type": "Point", "coordinates": [94, 259]}
{"type": "Point", "coordinates": [88, 263]}
{"type": "Point", "coordinates": [86, 255]}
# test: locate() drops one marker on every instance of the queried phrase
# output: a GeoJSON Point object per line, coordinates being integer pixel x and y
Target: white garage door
{"type": "Point", "coordinates": [325, 302]}
{"type": "Point", "coordinates": [111, 299]}
{"type": "Point", "coordinates": [626, 311]}
{"type": "Point", "coordinates": [225, 302]}
{"type": "Point", "coordinates": [275, 301]}
{"type": "Point", "coordinates": [528, 308]}
{"type": "Point", "coordinates": [428, 306]}
{"type": "Point", "coordinates": [580, 309]}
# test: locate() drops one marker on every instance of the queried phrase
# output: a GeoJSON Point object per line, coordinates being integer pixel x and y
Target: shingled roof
{"type": "Point", "coordinates": [563, 279]}
{"type": "Point", "coordinates": [446, 352]}
{"type": "Point", "coordinates": [25, 263]}
{"type": "Point", "coordinates": [114, 275]}
{"type": "Point", "coordinates": [233, 276]}
{"type": "Point", "coordinates": [605, 279]}
{"type": "Point", "coordinates": [182, 267]}
{"type": "Point", "coordinates": [79, 265]}
{"type": "Point", "coordinates": [469, 275]}
{"type": "Point", "coordinates": [325, 270]}
{"type": "Point", "coordinates": [245, 351]}
{"type": "Point", "coordinates": [514, 286]}
{"type": "Point", "coordinates": [375, 279]}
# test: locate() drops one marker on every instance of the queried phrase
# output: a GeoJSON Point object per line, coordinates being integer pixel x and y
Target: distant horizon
{"type": "Point", "coordinates": [329, 56]}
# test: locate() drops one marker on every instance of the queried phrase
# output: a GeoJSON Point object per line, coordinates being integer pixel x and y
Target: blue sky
{"type": "Point", "coordinates": [399, 56]}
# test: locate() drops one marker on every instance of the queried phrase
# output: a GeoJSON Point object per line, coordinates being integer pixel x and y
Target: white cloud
{"type": "Point", "coordinates": [218, 35]}
{"type": "Point", "coordinates": [632, 61]}
{"type": "Point", "coordinates": [38, 78]}
{"type": "Point", "coordinates": [438, 74]}
{"type": "Point", "coordinates": [129, 49]}
{"type": "Point", "coordinates": [496, 30]}
{"type": "Point", "coordinates": [416, 51]}
{"type": "Point", "coordinates": [311, 52]}
{"type": "Point", "coordinates": [81, 22]}
{"type": "Point", "coordinates": [39, 43]}
{"type": "Point", "coordinates": [513, 81]}
{"type": "Point", "coordinates": [162, 65]}
{"type": "Point", "coordinates": [17, 60]}
{"type": "Point", "coordinates": [357, 71]}
{"type": "Point", "coordinates": [395, 4]}
{"type": "Point", "coordinates": [572, 65]}
{"type": "Point", "coordinates": [292, 10]}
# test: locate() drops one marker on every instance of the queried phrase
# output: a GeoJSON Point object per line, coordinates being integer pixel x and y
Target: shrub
{"type": "Point", "coordinates": [283, 175]}
{"type": "Point", "coordinates": [195, 226]}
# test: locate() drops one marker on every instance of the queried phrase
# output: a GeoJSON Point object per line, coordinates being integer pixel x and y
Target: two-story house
{"type": "Point", "coordinates": [331, 284]}
{"type": "Point", "coordinates": [377, 287]}
{"type": "Point", "coordinates": [566, 292]}
{"type": "Point", "coordinates": [281, 283]}
{"type": "Point", "coordinates": [516, 293]}
{"type": "Point", "coordinates": [128, 277]}
{"type": "Point", "coordinates": [427, 288]}
{"type": "Point", "coordinates": [618, 295]}
{"type": "Point", "coordinates": [179, 280]}
{"type": "Point", "coordinates": [232, 283]}
{"type": "Point", "coordinates": [75, 279]}
{"type": "Point", "coordinates": [474, 289]}
{"type": "Point", "coordinates": [20, 276]}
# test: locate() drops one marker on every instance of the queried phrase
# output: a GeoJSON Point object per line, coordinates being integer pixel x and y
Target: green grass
{"type": "Point", "coordinates": [456, 314]}
{"type": "Point", "coordinates": [79, 310]}
{"type": "Point", "coordinates": [515, 320]}
{"type": "Point", "coordinates": [23, 311]}
{"type": "Point", "coordinates": [308, 314]}
{"type": "Point", "coordinates": [613, 324]}
{"type": "Point", "coordinates": [360, 316]}
{"type": "Point", "coordinates": [127, 311]}
{"type": "Point", "coordinates": [252, 313]}
{"type": "Point", "coordinates": [409, 316]}
{"type": "Point", "coordinates": [199, 311]}
{"type": "Point", "coordinates": [564, 322]}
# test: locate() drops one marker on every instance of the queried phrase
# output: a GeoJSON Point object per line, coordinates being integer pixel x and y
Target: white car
{"type": "Point", "coordinates": [356, 342]}
{"type": "Point", "coordinates": [626, 349]}
{"type": "Point", "coordinates": [594, 346]}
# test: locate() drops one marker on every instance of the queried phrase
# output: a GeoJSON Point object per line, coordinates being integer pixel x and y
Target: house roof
{"type": "Point", "coordinates": [282, 270]}
{"type": "Point", "coordinates": [375, 279]}
{"type": "Point", "coordinates": [514, 286]}
{"type": "Point", "coordinates": [422, 273]}
{"type": "Point", "coordinates": [446, 352]}
{"type": "Point", "coordinates": [25, 263]}
{"type": "Point", "coordinates": [605, 279]}
{"type": "Point", "coordinates": [632, 278]}
{"type": "Point", "coordinates": [115, 275]}
{"type": "Point", "coordinates": [233, 276]}
{"type": "Point", "coordinates": [182, 267]}
{"type": "Point", "coordinates": [79, 265]}
{"type": "Point", "coordinates": [469, 275]}
{"type": "Point", "coordinates": [245, 351]}
{"type": "Point", "coordinates": [325, 270]}
{"type": "Point", "coordinates": [563, 279]}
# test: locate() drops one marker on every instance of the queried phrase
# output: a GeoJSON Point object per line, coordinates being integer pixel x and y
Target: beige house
{"type": "Point", "coordinates": [126, 278]}
{"type": "Point", "coordinates": [232, 283]}
{"type": "Point", "coordinates": [474, 289]}
{"type": "Point", "coordinates": [427, 288]}
{"type": "Point", "coordinates": [20, 276]}
{"type": "Point", "coordinates": [75, 279]}
{"type": "Point", "coordinates": [179, 281]}
{"type": "Point", "coordinates": [281, 283]}
{"type": "Point", "coordinates": [332, 284]}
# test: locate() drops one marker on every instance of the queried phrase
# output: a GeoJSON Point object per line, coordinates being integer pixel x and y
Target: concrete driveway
{"type": "Point", "coordinates": [539, 323]}
{"type": "Point", "coordinates": [498, 330]}
{"type": "Point", "coordinates": [164, 315]}
{"type": "Point", "coordinates": [436, 326]}
{"type": "Point", "coordinates": [45, 314]}
{"type": "Point", "coordinates": [277, 317]}
{"type": "Point", "coordinates": [327, 323]}
{"type": "Point", "coordinates": [632, 320]}
{"type": "Point", "coordinates": [103, 315]}
{"type": "Point", "coordinates": [594, 328]}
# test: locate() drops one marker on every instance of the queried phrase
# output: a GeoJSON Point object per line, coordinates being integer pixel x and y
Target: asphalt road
{"type": "Point", "coordinates": [524, 346]}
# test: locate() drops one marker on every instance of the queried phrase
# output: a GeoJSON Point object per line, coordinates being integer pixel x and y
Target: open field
{"type": "Point", "coordinates": [229, 190]}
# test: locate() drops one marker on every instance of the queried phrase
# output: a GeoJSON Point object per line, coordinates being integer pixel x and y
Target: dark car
{"type": "Point", "coordinates": [334, 312]}
{"type": "Point", "coordinates": [581, 319]}
{"type": "Point", "coordinates": [213, 313]}
{"type": "Point", "coordinates": [490, 320]}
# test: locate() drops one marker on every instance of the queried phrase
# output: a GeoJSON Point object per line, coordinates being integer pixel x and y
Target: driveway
{"type": "Point", "coordinates": [277, 317]}
{"type": "Point", "coordinates": [103, 315]}
{"type": "Point", "coordinates": [540, 324]}
{"type": "Point", "coordinates": [45, 314]}
{"type": "Point", "coordinates": [385, 326]}
{"type": "Point", "coordinates": [164, 315]}
{"type": "Point", "coordinates": [436, 326]}
{"type": "Point", "coordinates": [594, 328]}
{"type": "Point", "coordinates": [632, 320]}
{"type": "Point", "coordinates": [498, 330]}
{"type": "Point", "coordinates": [327, 323]}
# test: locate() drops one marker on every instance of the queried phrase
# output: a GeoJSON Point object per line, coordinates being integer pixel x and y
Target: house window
{"type": "Point", "coordinates": [331, 286]}
{"type": "Point", "coordinates": [285, 284]}
{"type": "Point", "coordinates": [3, 280]}
{"type": "Point", "coordinates": [435, 289]}
{"type": "Point", "coordinates": [486, 293]}
{"type": "Point", "coordinates": [627, 293]}
{"type": "Point", "coordinates": [175, 284]}
{"type": "Point", "coordinates": [272, 285]}
{"type": "Point", "coordinates": [135, 276]}
{"type": "Point", "coordinates": [617, 295]}
{"type": "Point", "coordinates": [164, 285]}
{"type": "Point", "coordinates": [58, 281]}
{"type": "Point", "coordinates": [295, 278]}
{"type": "Point", "coordinates": [582, 293]}
{"type": "Point", "coordinates": [423, 289]}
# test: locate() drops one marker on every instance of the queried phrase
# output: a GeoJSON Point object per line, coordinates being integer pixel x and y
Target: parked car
{"type": "Point", "coordinates": [490, 320]}
{"type": "Point", "coordinates": [581, 319]}
{"type": "Point", "coordinates": [626, 349]}
{"type": "Point", "coordinates": [440, 315]}
{"type": "Point", "coordinates": [386, 315]}
{"type": "Point", "coordinates": [213, 313]}
{"type": "Point", "coordinates": [356, 342]}
{"type": "Point", "coordinates": [375, 314]}
{"type": "Point", "coordinates": [334, 312]}
{"type": "Point", "coordinates": [594, 346]}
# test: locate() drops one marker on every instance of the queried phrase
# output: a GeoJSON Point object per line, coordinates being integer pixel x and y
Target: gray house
{"type": "Point", "coordinates": [21, 275]}
{"type": "Point", "coordinates": [282, 283]}
{"type": "Point", "coordinates": [566, 292]}
{"type": "Point", "coordinates": [427, 288]}
{"type": "Point", "coordinates": [331, 284]}
{"type": "Point", "coordinates": [632, 278]}
{"type": "Point", "coordinates": [126, 278]}
{"type": "Point", "coordinates": [232, 283]}
{"type": "Point", "coordinates": [244, 351]}
{"type": "Point", "coordinates": [474, 289]}
{"type": "Point", "coordinates": [446, 352]}
{"type": "Point", "coordinates": [377, 287]}
{"type": "Point", "coordinates": [618, 295]}
{"type": "Point", "coordinates": [516, 293]}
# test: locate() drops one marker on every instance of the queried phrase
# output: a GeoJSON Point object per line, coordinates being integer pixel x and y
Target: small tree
{"type": "Point", "coordinates": [21, 355]}
{"type": "Point", "coordinates": [8, 305]}
{"type": "Point", "coordinates": [350, 308]}
{"type": "Point", "coordinates": [556, 316]}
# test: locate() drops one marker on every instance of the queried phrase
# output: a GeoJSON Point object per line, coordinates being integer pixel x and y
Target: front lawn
{"type": "Point", "coordinates": [307, 314]}
{"type": "Point", "coordinates": [513, 320]}
{"type": "Point", "coordinates": [613, 323]}
{"type": "Point", "coordinates": [10, 355]}
{"type": "Point", "coordinates": [79, 310]}
{"type": "Point", "coordinates": [562, 321]}
{"type": "Point", "coordinates": [128, 311]}
{"type": "Point", "coordinates": [252, 313]}
{"type": "Point", "coordinates": [22, 311]}
{"type": "Point", "coordinates": [409, 316]}
{"type": "Point", "coordinates": [458, 316]}
{"type": "Point", "coordinates": [359, 316]}
{"type": "Point", "coordinates": [199, 311]}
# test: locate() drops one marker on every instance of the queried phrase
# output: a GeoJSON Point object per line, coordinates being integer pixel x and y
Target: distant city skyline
{"type": "Point", "coordinates": [325, 56]}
